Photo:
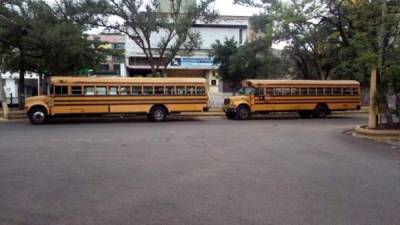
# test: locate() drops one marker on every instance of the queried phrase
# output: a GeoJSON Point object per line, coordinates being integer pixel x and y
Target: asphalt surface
{"type": "Point", "coordinates": [274, 170]}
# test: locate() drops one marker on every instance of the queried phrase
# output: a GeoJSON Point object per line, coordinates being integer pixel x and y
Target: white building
{"type": "Point", "coordinates": [198, 64]}
{"type": "Point", "coordinates": [11, 85]}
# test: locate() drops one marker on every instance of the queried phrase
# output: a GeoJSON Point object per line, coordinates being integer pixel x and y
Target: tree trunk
{"type": "Point", "coordinates": [21, 89]}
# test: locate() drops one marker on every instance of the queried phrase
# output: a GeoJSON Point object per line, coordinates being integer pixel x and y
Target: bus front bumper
{"type": "Point", "coordinates": [228, 109]}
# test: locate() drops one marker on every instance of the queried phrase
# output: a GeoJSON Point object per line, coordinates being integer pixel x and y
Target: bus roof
{"type": "Point", "coordinates": [122, 80]}
{"type": "Point", "coordinates": [300, 82]}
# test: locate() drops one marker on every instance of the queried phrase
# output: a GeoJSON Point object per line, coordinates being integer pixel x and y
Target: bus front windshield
{"type": "Point", "coordinates": [246, 91]}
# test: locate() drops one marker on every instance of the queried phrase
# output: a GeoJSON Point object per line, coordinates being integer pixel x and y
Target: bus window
{"type": "Point", "coordinates": [124, 90]}
{"type": "Point", "coordinates": [303, 91]}
{"type": "Point", "coordinates": [320, 91]}
{"type": "Point", "coordinates": [337, 91]}
{"type": "Point", "coordinates": [294, 91]}
{"type": "Point", "coordinates": [180, 90]}
{"type": "Point", "coordinates": [112, 90]}
{"type": "Point", "coordinates": [328, 91]}
{"type": "Point", "coordinates": [201, 90]}
{"type": "Point", "coordinates": [347, 91]}
{"type": "Point", "coordinates": [147, 90]}
{"type": "Point", "coordinates": [136, 90]}
{"type": "Point", "coordinates": [191, 90]}
{"type": "Point", "coordinates": [76, 90]}
{"type": "Point", "coordinates": [159, 90]}
{"type": "Point", "coordinates": [100, 90]}
{"type": "Point", "coordinates": [285, 91]}
{"type": "Point", "coordinates": [89, 90]}
{"type": "Point", "coordinates": [311, 91]}
{"type": "Point", "coordinates": [61, 90]}
{"type": "Point", "coordinates": [278, 91]}
{"type": "Point", "coordinates": [259, 91]}
{"type": "Point", "coordinates": [270, 91]}
{"type": "Point", "coordinates": [355, 91]}
{"type": "Point", "coordinates": [170, 90]}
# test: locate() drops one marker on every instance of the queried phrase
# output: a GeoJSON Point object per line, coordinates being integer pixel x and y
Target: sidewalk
{"type": "Point", "coordinates": [20, 116]}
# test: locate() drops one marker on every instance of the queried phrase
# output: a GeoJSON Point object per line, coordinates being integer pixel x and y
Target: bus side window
{"type": "Point", "coordinates": [278, 91]}
{"type": "Point", "coordinates": [337, 91]}
{"type": "Point", "coordinates": [328, 91]}
{"type": "Point", "coordinates": [101, 90]}
{"type": "Point", "coordinates": [170, 90]}
{"type": "Point", "coordinates": [286, 91]}
{"type": "Point", "coordinates": [259, 91]}
{"type": "Point", "coordinates": [201, 90]}
{"type": "Point", "coordinates": [124, 90]}
{"type": "Point", "coordinates": [270, 91]}
{"type": "Point", "coordinates": [180, 90]}
{"type": "Point", "coordinates": [136, 90]}
{"type": "Point", "coordinates": [147, 90]}
{"type": "Point", "coordinates": [191, 90]}
{"type": "Point", "coordinates": [311, 91]}
{"type": "Point", "coordinates": [61, 90]}
{"type": "Point", "coordinates": [76, 90]}
{"type": "Point", "coordinates": [320, 91]}
{"type": "Point", "coordinates": [89, 90]}
{"type": "Point", "coordinates": [347, 91]}
{"type": "Point", "coordinates": [159, 90]}
{"type": "Point", "coordinates": [294, 91]}
{"type": "Point", "coordinates": [303, 91]}
{"type": "Point", "coordinates": [355, 91]}
{"type": "Point", "coordinates": [113, 90]}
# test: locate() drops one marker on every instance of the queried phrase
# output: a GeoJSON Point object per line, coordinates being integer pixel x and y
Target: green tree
{"type": "Point", "coordinates": [39, 40]}
{"type": "Point", "coordinates": [143, 22]}
{"type": "Point", "coordinates": [252, 60]}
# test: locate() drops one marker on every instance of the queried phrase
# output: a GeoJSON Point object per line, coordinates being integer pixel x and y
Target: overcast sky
{"type": "Point", "coordinates": [226, 7]}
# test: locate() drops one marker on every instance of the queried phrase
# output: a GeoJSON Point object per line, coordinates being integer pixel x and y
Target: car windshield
{"type": "Point", "coordinates": [246, 91]}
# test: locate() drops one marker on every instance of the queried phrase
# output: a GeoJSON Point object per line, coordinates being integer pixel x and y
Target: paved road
{"type": "Point", "coordinates": [197, 171]}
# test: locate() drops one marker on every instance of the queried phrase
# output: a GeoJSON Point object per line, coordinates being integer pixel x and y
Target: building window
{"type": "Point", "coordinates": [213, 82]}
{"type": "Point", "coordinates": [104, 67]}
{"type": "Point", "coordinates": [118, 46]}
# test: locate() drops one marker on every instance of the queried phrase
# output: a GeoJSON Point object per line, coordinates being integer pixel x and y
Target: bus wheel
{"type": "Point", "coordinates": [243, 113]}
{"type": "Point", "coordinates": [321, 111]}
{"type": "Point", "coordinates": [305, 114]}
{"type": "Point", "coordinates": [38, 115]}
{"type": "Point", "coordinates": [158, 114]}
{"type": "Point", "coordinates": [230, 116]}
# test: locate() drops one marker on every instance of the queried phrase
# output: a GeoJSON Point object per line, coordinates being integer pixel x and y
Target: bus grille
{"type": "Point", "coordinates": [227, 101]}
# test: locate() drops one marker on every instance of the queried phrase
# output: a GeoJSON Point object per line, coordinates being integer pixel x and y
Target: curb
{"type": "Point", "coordinates": [378, 135]}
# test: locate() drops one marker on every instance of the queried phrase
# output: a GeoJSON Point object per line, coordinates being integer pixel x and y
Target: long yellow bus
{"type": "Point", "coordinates": [307, 97]}
{"type": "Point", "coordinates": [156, 97]}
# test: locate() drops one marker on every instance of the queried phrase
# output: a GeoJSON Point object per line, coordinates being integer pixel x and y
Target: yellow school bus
{"type": "Point", "coordinates": [156, 97]}
{"type": "Point", "coordinates": [307, 97]}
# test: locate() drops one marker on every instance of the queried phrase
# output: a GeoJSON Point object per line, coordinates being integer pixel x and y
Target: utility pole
{"type": "Point", "coordinates": [372, 120]}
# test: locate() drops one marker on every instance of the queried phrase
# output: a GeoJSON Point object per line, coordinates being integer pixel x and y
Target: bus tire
{"type": "Point", "coordinates": [230, 116]}
{"type": "Point", "coordinates": [305, 114]}
{"type": "Point", "coordinates": [243, 112]}
{"type": "Point", "coordinates": [158, 114]}
{"type": "Point", "coordinates": [38, 115]}
{"type": "Point", "coordinates": [321, 111]}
